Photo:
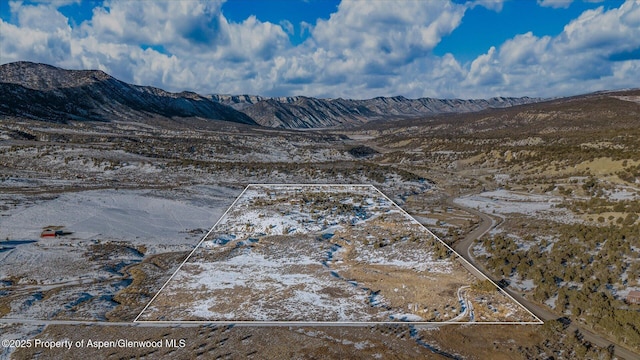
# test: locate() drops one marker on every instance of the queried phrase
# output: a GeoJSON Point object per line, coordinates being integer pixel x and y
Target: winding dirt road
{"type": "Point", "coordinates": [487, 223]}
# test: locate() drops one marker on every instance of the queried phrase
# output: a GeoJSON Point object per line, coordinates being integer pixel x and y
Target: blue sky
{"type": "Point", "coordinates": [333, 48]}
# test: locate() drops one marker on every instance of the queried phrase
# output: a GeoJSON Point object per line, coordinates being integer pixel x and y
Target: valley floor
{"type": "Point", "coordinates": [554, 214]}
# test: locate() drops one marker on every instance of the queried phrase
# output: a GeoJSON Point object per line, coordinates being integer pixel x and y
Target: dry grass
{"type": "Point", "coordinates": [239, 342]}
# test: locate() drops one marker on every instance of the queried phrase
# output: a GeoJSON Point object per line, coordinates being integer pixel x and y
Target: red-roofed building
{"type": "Point", "coordinates": [48, 233]}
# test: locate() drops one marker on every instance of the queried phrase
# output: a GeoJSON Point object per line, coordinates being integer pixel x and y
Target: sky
{"type": "Point", "coordinates": [331, 48]}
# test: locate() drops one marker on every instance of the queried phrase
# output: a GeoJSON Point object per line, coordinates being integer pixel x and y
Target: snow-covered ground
{"type": "Point", "coordinates": [418, 260]}
{"type": "Point", "coordinates": [287, 269]}
{"type": "Point", "coordinates": [624, 193]}
{"type": "Point", "coordinates": [503, 202]}
{"type": "Point", "coordinates": [248, 220]}
{"type": "Point", "coordinates": [16, 332]}
{"type": "Point", "coordinates": [622, 294]}
{"type": "Point", "coordinates": [281, 254]}
{"type": "Point", "coordinates": [77, 275]}
{"type": "Point", "coordinates": [523, 285]}
{"type": "Point", "coordinates": [147, 217]}
{"type": "Point", "coordinates": [272, 277]}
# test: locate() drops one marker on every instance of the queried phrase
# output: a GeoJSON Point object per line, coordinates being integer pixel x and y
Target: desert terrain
{"type": "Point", "coordinates": [542, 198]}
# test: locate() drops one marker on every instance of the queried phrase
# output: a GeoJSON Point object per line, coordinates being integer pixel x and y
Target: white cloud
{"type": "Point", "coordinates": [388, 33]}
{"type": "Point", "coordinates": [608, 31]}
{"type": "Point", "coordinates": [305, 28]}
{"type": "Point", "coordinates": [556, 4]}
{"type": "Point", "coordinates": [32, 17]}
{"type": "Point", "coordinates": [484, 70]}
{"type": "Point", "coordinates": [287, 26]}
{"type": "Point", "coordinates": [575, 61]}
{"type": "Point", "coordinates": [364, 49]}
{"type": "Point", "coordinates": [177, 25]}
{"type": "Point", "coordinates": [255, 40]}
{"type": "Point", "coordinates": [42, 34]}
{"type": "Point", "coordinates": [368, 48]}
{"type": "Point", "coordinates": [524, 50]}
{"type": "Point", "coordinates": [58, 3]}
{"type": "Point", "coordinates": [495, 5]}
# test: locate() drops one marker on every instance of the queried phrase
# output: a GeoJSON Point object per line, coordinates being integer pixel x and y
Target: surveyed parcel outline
{"type": "Point", "coordinates": [537, 321]}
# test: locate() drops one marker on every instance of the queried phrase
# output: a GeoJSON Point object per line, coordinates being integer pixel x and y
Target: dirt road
{"type": "Point", "coordinates": [487, 223]}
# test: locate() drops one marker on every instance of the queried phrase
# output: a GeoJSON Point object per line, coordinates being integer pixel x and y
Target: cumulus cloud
{"type": "Point", "coordinates": [390, 34]}
{"type": "Point", "coordinates": [484, 71]}
{"type": "Point", "coordinates": [369, 46]}
{"type": "Point", "coordinates": [577, 60]}
{"type": "Point", "coordinates": [33, 38]}
{"type": "Point", "coordinates": [364, 49]}
{"type": "Point", "coordinates": [177, 25]}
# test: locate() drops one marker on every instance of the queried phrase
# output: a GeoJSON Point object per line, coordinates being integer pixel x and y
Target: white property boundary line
{"type": "Point", "coordinates": [191, 253]}
{"type": "Point", "coordinates": [463, 259]}
{"type": "Point", "coordinates": [331, 323]}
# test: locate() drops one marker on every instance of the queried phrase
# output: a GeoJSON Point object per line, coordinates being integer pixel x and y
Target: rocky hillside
{"type": "Point", "coordinates": [305, 112]}
{"type": "Point", "coordinates": [240, 102]}
{"type": "Point", "coordinates": [48, 93]}
{"type": "Point", "coordinates": [44, 92]}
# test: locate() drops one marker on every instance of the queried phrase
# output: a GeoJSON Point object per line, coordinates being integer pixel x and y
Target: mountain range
{"type": "Point", "coordinates": [48, 93]}
{"type": "Point", "coordinates": [307, 112]}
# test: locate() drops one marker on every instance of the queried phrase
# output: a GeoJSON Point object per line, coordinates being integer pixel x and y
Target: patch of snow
{"type": "Point", "coordinates": [624, 292]}
{"type": "Point", "coordinates": [501, 202]}
{"type": "Point", "coordinates": [479, 250]}
{"type": "Point", "coordinates": [406, 317]}
{"type": "Point", "coordinates": [523, 285]}
{"type": "Point", "coordinates": [419, 260]}
{"type": "Point", "coordinates": [134, 215]}
{"type": "Point", "coordinates": [363, 345]}
{"type": "Point", "coordinates": [622, 194]}
{"type": "Point", "coordinates": [551, 302]}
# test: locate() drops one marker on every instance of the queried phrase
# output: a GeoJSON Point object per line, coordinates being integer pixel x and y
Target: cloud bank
{"type": "Point", "coordinates": [363, 50]}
